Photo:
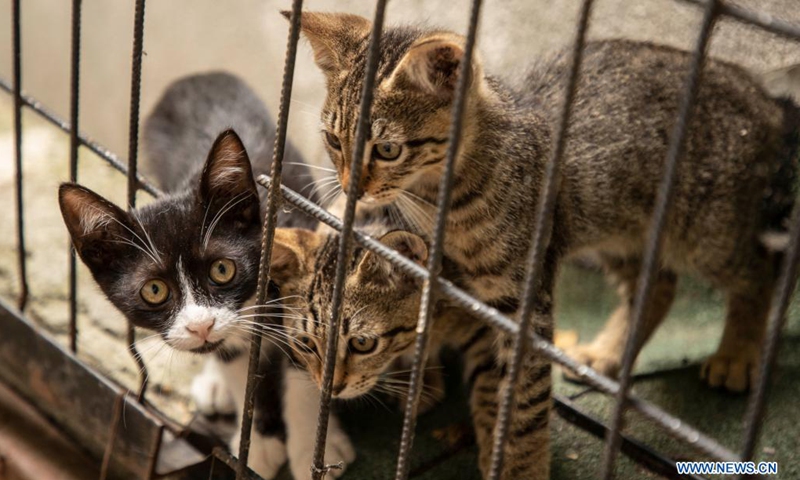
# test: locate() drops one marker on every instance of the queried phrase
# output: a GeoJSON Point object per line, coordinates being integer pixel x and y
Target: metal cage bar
{"type": "Point", "coordinates": [133, 153]}
{"type": "Point", "coordinates": [74, 143]}
{"type": "Point", "coordinates": [319, 469]}
{"type": "Point", "coordinates": [429, 292]}
{"type": "Point", "coordinates": [434, 285]}
{"type": "Point", "coordinates": [116, 415]}
{"type": "Point", "coordinates": [538, 248]}
{"type": "Point", "coordinates": [17, 58]}
{"type": "Point", "coordinates": [95, 147]}
{"type": "Point", "coordinates": [784, 289]}
{"type": "Point", "coordinates": [494, 318]}
{"type": "Point", "coordinates": [268, 234]}
{"type": "Point", "coordinates": [759, 20]}
{"type": "Point", "coordinates": [655, 234]}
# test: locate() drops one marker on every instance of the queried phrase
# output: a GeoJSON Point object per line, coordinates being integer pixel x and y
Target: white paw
{"type": "Point", "coordinates": [211, 394]}
{"type": "Point", "coordinates": [339, 449]}
{"type": "Point", "coordinates": [267, 454]}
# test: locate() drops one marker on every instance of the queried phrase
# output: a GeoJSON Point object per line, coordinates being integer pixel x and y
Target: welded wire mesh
{"type": "Point", "coordinates": [526, 342]}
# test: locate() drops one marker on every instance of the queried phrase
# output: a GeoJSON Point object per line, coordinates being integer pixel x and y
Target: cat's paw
{"type": "Point", "coordinates": [736, 371]}
{"type": "Point", "coordinates": [211, 394]}
{"type": "Point", "coordinates": [267, 454]}
{"type": "Point", "coordinates": [339, 449]}
{"type": "Point", "coordinates": [600, 359]}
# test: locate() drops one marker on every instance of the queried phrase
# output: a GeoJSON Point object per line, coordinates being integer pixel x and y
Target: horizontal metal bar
{"type": "Point", "coordinates": [233, 463]}
{"type": "Point", "coordinates": [761, 20]}
{"type": "Point", "coordinates": [673, 425]}
{"type": "Point", "coordinates": [98, 149]}
{"type": "Point", "coordinates": [634, 449]}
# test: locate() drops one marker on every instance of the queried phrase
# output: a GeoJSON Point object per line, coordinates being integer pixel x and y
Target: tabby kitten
{"type": "Point", "coordinates": [186, 265]}
{"type": "Point", "coordinates": [379, 317]}
{"type": "Point", "coordinates": [623, 113]}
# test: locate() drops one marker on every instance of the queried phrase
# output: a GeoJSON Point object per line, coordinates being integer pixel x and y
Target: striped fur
{"type": "Point", "coordinates": [624, 113]}
{"type": "Point", "coordinates": [381, 304]}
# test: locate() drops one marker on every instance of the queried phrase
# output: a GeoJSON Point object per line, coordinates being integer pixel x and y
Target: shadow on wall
{"type": "Point", "coordinates": [248, 37]}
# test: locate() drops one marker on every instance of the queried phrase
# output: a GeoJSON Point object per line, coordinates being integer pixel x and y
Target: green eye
{"type": "Point", "coordinates": [363, 344]}
{"type": "Point", "coordinates": [333, 141]}
{"type": "Point", "coordinates": [386, 150]}
{"type": "Point", "coordinates": [155, 292]}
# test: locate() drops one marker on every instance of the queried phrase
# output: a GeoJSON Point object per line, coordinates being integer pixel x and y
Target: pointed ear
{"type": "Point", "coordinates": [333, 37]}
{"type": "Point", "coordinates": [432, 65]}
{"type": "Point", "coordinates": [292, 254]}
{"type": "Point", "coordinates": [227, 182]}
{"type": "Point", "coordinates": [98, 228]}
{"type": "Point", "coordinates": [375, 268]}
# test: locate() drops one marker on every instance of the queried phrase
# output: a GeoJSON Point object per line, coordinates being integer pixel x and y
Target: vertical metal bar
{"type": "Point", "coordinates": [116, 415]}
{"type": "Point", "coordinates": [133, 151]}
{"type": "Point", "coordinates": [212, 467]}
{"type": "Point", "coordinates": [17, 47]}
{"type": "Point", "coordinates": [538, 248]}
{"type": "Point", "coordinates": [74, 143]}
{"type": "Point", "coordinates": [159, 438]}
{"type": "Point", "coordinates": [777, 318]}
{"type": "Point", "coordinates": [655, 234]}
{"type": "Point", "coordinates": [430, 289]}
{"type": "Point", "coordinates": [345, 240]}
{"type": "Point", "coordinates": [268, 234]}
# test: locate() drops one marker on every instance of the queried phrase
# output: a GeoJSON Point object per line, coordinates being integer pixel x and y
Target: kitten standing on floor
{"type": "Point", "coordinates": [186, 265]}
{"type": "Point", "coordinates": [623, 115]}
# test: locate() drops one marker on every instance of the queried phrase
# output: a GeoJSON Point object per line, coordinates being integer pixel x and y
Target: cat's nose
{"type": "Point", "coordinates": [201, 329]}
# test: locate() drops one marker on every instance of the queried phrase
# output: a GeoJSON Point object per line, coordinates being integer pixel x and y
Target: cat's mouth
{"type": "Point", "coordinates": [379, 200]}
{"type": "Point", "coordinates": [208, 347]}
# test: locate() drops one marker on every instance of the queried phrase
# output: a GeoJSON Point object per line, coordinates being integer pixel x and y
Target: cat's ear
{"type": "Point", "coordinates": [432, 65]}
{"type": "Point", "coordinates": [334, 37]}
{"type": "Point", "coordinates": [376, 268]}
{"type": "Point", "coordinates": [100, 230]}
{"type": "Point", "coordinates": [292, 254]}
{"type": "Point", "coordinates": [227, 187]}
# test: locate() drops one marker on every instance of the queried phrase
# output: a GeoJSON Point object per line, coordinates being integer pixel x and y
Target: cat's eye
{"type": "Point", "coordinates": [363, 344]}
{"type": "Point", "coordinates": [222, 271]}
{"type": "Point", "coordinates": [386, 150]}
{"type": "Point", "coordinates": [155, 292]}
{"type": "Point", "coordinates": [305, 343]}
{"type": "Point", "coordinates": [333, 141]}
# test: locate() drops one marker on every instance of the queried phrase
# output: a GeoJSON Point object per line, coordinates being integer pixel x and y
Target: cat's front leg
{"type": "Point", "coordinates": [527, 446]}
{"type": "Point", "coordinates": [300, 409]}
{"type": "Point", "coordinates": [267, 444]}
{"type": "Point", "coordinates": [267, 452]}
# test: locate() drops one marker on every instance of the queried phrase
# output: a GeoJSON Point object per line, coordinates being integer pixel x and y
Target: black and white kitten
{"type": "Point", "coordinates": [186, 265]}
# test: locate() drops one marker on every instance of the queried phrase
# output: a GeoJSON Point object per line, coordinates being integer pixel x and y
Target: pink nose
{"type": "Point", "coordinates": [201, 329]}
